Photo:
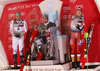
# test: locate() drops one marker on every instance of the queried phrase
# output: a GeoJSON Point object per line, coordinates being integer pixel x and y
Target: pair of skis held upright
{"type": "Point", "coordinates": [88, 37]}
{"type": "Point", "coordinates": [28, 50]}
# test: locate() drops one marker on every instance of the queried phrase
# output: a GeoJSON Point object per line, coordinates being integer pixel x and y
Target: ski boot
{"type": "Point", "coordinates": [15, 65]}
{"type": "Point", "coordinates": [78, 65]}
{"type": "Point", "coordinates": [73, 65]}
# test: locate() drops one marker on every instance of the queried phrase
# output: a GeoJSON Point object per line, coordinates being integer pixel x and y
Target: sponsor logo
{"type": "Point", "coordinates": [32, 13]}
{"type": "Point", "coordinates": [67, 8]}
{"type": "Point", "coordinates": [81, 6]}
{"type": "Point", "coordinates": [14, 8]}
{"type": "Point", "coordinates": [11, 15]}
{"type": "Point", "coordinates": [73, 1]}
{"type": "Point", "coordinates": [50, 5]}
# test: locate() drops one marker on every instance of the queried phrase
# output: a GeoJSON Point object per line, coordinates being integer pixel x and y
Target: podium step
{"type": "Point", "coordinates": [44, 62]}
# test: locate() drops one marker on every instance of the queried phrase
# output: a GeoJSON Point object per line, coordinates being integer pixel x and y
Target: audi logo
{"type": "Point", "coordinates": [11, 15]}
{"type": "Point", "coordinates": [67, 8]}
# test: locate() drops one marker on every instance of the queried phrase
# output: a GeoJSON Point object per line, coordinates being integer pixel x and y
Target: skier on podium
{"type": "Point", "coordinates": [47, 31]}
{"type": "Point", "coordinates": [18, 28]}
{"type": "Point", "coordinates": [77, 25]}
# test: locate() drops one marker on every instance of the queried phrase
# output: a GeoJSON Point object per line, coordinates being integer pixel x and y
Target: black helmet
{"type": "Point", "coordinates": [45, 16]}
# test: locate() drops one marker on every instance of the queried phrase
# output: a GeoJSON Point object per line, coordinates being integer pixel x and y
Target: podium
{"type": "Point", "coordinates": [58, 67]}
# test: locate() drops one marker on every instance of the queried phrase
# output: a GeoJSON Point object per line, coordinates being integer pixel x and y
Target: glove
{"type": "Point", "coordinates": [19, 35]}
{"type": "Point", "coordinates": [88, 39]}
{"type": "Point", "coordinates": [79, 27]}
{"type": "Point", "coordinates": [86, 51]}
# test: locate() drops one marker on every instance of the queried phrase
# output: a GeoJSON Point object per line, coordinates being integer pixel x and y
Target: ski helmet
{"type": "Point", "coordinates": [18, 14]}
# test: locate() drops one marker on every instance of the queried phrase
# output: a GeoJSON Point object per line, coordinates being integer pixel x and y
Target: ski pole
{"type": "Point", "coordinates": [86, 36]}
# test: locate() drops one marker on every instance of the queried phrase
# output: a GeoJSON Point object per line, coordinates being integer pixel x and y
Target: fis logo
{"type": "Point", "coordinates": [50, 5]}
{"type": "Point", "coordinates": [73, 1]}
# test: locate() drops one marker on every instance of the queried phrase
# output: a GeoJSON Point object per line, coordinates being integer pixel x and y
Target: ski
{"type": "Point", "coordinates": [88, 37]}
{"type": "Point", "coordinates": [28, 62]}
{"type": "Point", "coordinates": [28, 50]}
